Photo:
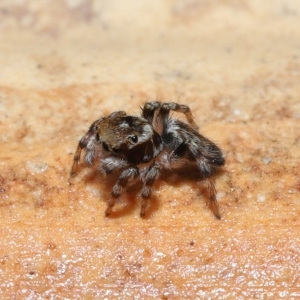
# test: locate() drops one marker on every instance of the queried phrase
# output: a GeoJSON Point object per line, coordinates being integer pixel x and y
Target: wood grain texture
{"type": "Point", "coordinates": [64, 64]}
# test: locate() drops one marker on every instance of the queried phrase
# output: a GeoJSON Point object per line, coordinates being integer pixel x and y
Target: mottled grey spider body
{"type": "Point", "coordinates": [140, 148]}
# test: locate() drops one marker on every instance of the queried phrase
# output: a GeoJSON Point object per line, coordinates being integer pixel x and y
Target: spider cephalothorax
{"type": "Point", "coordinates": [141, 148]}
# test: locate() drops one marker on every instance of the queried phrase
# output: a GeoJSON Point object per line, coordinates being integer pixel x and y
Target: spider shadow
{"type": "Point", "coordinates": [131, 194]}
{"type": "Point", "coordinates": [192, 178]}
{"type": "Point", "coordinates": [129, 198]}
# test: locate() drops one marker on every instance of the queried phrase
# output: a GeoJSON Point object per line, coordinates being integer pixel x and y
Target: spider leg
{"type": "Point", "coordinates": [207, 170]}
{"type": "Point", "coordinates": [173, 106]}
{"type": "Point", "coordinates": [82, 145]}
{"type": "Point", "coordinates": [149, 109]}
{"type": "Point", "coordinates": [186, 152]}
{"type": "Point", "coordinates": [76, 159]}
{"type": "Point", "coordinates": [125, 177]}
{"type": "Point", "coordinates": [212, 197]}
{"type": "Point", "coordinates": [112, 163]}
{"type": "Point", "coordinates": [152, 173]}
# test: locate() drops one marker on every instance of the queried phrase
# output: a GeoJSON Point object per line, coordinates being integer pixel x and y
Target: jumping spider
{"type": "Point", "coordinates": [140, 148]}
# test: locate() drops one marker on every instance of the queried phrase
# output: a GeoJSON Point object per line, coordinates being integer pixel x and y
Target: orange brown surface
{"type": "Point", "coordinates": [66, 63]}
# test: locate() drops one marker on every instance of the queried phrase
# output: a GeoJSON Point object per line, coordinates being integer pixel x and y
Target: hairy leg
{"type": "Point", "coordinates": [152, 173]}
{"type": "Point", "coordinates": [149, 109]}
{"type": "Point", "coordinates": [125, 177]}
{"type": "Point", "coordinates": [83, 144]}
{"type": "Point", "coordinates": [89, 155]}
{"type": "Point", "coordinates": [178, 158]}
{"type": "Point", "coordinates": [76, 159]}
{"type": "Point", "coordinates": [172, 106]}
{"type": "Point", "coordinates": [212, 197]}
{"type": "Point", "coordinates": [112, 163]}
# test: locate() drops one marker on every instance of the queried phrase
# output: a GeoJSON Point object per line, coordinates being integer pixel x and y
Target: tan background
{"type": "Point", "coordinates": [66, 63]}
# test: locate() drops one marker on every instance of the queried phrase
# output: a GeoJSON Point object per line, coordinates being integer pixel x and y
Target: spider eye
{"type": "Point", "coordinates": [105, 146]}
{"type": "Point", "coordinates": [134, 138]}
{"type": "Point", "coordinates": [97, 137]}
{"type": "Point", "coordinates": [115, 150]}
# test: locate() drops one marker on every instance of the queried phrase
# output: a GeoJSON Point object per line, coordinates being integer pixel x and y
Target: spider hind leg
{"type": "Point", "coordinates": [186, 154]}
{"type": "Point", "coordinates": [212, 197]}
{"type": "Point", "coordinates": [150, 108]}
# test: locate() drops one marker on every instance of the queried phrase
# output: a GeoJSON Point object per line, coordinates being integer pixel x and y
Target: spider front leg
{"type": "Point", "coordinates": [86, 142]}
{"type": "Point", "coordinates": [150, 177]}
{"type": "Point", "coordinates": [126, 176]}
{"type": "Point", "coordinates": [76, 159]}
{"type": "Point", "coordinates": [110, 164]}
{"type": "Point", "coordinates": [81, 146]}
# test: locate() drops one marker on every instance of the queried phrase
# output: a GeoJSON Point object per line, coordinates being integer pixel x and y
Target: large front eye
{"type": "Point", "coordinates": [97, 137]}
{"type": "Point", "coordinates": [105, 146]}
{"type": "Point", "coordinates": [134, 138]}
{"type": "Point", "coordinates": [115, 150]}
